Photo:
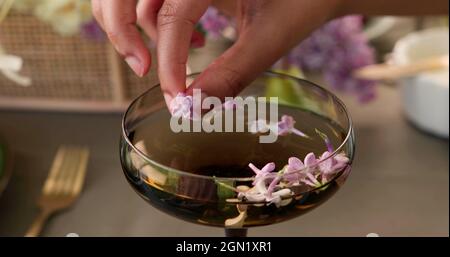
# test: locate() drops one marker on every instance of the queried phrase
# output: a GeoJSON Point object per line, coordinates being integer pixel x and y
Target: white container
{"type": "Point", "coordinates": [426, 95]}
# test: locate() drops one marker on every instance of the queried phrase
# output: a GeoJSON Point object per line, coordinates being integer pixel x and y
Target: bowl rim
{"type": "Point", "coordinates": [349, 133]}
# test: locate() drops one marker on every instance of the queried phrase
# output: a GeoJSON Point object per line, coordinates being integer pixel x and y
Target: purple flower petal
{"type": "Point", "coordinates": [286, 126]}
{"type": "Point", "coordinates": [269, 167]}
{"type": "Point", "coordinates": [92, 30]}
{"type": "Point", "coordinates": [310, 160]}
{"type": "Point", "coordinates": [214, 22]}
{"type": "Point", "coordinates": [272, 185]}
{"type": "Point", "coordinates": [329, 167]}
{"type": "Point", "coordinates": [294, 164]}
{"type": "Point", "coordinates": [181, 106]}
{"type": "Point", "coordinates": [253, 167]}
{"type": "Point", "coordinates": [261, 174]}
{"type": "Point", "coordinates": [311, 180]}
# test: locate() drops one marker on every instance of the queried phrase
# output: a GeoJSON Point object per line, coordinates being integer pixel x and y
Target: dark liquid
{"type": "Point", "coordinates": [225, 155]}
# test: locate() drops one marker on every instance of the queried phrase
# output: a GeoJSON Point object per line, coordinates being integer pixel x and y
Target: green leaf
{"type": "Point", "coordinates": [288, 91]}
{"type": "Point", "coordinates": [172, 181]}
{"type": "Point", "coordinates": [225, 189]}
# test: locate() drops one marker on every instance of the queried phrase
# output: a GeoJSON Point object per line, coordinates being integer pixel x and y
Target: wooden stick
{"type": "Point", "coordinates": [391, 72]}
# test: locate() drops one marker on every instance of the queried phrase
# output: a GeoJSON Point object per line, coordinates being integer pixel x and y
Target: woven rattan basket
{"type": "Point", "coordinates": [68, 73]}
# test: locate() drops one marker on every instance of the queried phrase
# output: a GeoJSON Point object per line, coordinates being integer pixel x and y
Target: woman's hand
{"type": "Point", "coordinates": [267, 30]}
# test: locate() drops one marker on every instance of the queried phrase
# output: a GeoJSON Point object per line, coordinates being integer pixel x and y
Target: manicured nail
{"type": "Point", "coordinates": [135, 65]}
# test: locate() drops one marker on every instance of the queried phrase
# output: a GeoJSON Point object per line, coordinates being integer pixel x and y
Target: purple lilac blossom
{"type": "Point", "coordinates": [282, 128]}
{"type": "Point", "coordinates": [262, 173]}
{"type": "Point", "coordinates": [214, 22]}
{"type": "Point", "coordinates": [92, 30]}
{"type": "Point", "coordinates": [181, 106]}
{"type": "Point", "coordinates": [286, 126]}
{"type": "Point", "coordinates": [292, 171]}
{"type": "Point", "coordinates": [337, 49]}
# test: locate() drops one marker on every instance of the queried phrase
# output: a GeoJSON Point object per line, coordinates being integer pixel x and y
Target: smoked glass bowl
{"type": "Point", "coordinates": [163, 171]}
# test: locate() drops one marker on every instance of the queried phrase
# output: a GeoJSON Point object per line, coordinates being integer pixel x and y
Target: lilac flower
{"type": "Point", "coordinates": [262, 173]}
{"type": "Point", "coordinates": [260, 191]}
{"type": "Point", "coordinates": [214, 22]}
{"type": "Point", "coordinates": [281, 128]}
{"type": "Point", "coordinates": [272, 185]}
{"type": "Point", "coordinates": [294, 164]}
{"type": "Point", "coordinates": [181, 106]}
{"type": "Point", "coordinates": [337, 49]}
{"type": "Point", "coordinates": [266, 185]}
{"type": "Point", "coordinates": [310, 173]}
{"type": "Point", "coordinates": [330, 166]}
{"type": "Point", "coordinates": [295, 171]}
{"type": "Point", "coordinates": [310, 160]}
{"type": "Point", "coordinates": [325, 168]}
{"type": "Point", "coordinates": [291, 171]}
{"type": "Point", "coordinates": [286, 126]}
{"type": "Point", "coordinates": [269, 186]}
{"type": "Point", "coordinates": [342, 158]}
{"type": "Point", "coordinates": [314, 172]}
{"type": "Point", "coordinates": [92, 30]}
{"type": "Point", "coordinates": [327, 140]}
{"type": "Point", "coordinates": [254, 195]}
{"type": "Point", "coordinates": [311, 180]}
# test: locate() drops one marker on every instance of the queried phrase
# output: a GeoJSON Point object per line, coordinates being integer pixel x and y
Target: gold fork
{"type": "Point", "coordinates": [63, 184]}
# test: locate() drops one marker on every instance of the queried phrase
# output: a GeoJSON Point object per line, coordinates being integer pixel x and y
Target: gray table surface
{"type": "Point", "coordinates": [399, 185]}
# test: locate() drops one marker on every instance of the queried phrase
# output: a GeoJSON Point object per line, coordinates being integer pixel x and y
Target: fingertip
{"type": "Point", "coordinates": [140, 63]}
{"type": "Point", "coordinates": [146, 62]}
{"type": "Point", "coordinates": [135, 64]}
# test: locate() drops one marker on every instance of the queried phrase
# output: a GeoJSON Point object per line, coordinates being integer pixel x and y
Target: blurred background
{"type": "Point", "coordinates": [61, 83]}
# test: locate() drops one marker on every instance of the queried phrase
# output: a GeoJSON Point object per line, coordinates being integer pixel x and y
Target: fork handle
{"type": "Point", "coordinates": [38, 223]}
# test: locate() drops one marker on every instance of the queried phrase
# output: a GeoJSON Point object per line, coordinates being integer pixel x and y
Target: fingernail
{"type": "Point", "coordinates": [135, 65]}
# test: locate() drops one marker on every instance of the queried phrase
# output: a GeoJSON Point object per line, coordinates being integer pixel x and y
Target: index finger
{"type": "Point", "coordinates": [176, 22]}
{"type": "Point", "coordinates": [119, 20]}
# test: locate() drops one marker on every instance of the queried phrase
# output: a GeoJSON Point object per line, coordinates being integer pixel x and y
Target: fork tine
{"type": "Point", "coordinates": [70, 173]}
{"type": "Point", "coordinates": [50, 182]}
{"type": "Point", "coordinates": [63, 184]}
{"type": "Point", "coordinates": [81, 171]}
{"type": "Point", "coordinates": [66, 167]}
